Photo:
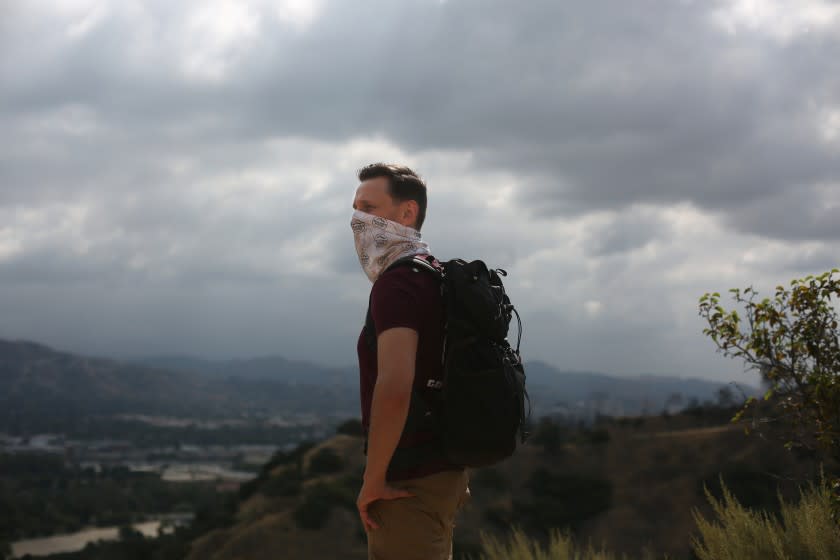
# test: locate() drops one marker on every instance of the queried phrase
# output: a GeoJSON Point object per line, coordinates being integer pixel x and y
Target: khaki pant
{"type": "Point", "coordinates": [419, 527]}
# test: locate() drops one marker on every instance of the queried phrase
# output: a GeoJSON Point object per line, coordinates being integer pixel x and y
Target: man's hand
{"type": "Point", "coordinates": [371, 491]}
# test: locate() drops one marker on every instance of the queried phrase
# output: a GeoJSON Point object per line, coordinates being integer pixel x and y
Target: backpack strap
{"type": "Point", "coordinates": [421, 411]}
{"type": "Point", "coordinates": [427, 262]}
{"type": "Point", "coordinates": [370, 328]}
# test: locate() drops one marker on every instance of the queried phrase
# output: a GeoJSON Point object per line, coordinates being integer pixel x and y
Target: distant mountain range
{"type": "Point", "coordinates": [587, 393]}
{"type": "Point", "coordinates": [37, 380]}
{"type": "Point", "coordinates": [266, 367]}
{"type": "Point", "coordinates": [34, 376]}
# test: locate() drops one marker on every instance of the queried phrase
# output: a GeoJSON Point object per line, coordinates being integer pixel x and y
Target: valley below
{"type": "Point", "coordinates": [173, 458]}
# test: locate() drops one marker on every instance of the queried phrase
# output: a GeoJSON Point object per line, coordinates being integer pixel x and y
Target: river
{"type": "Point", "coordinates": [72, 542]}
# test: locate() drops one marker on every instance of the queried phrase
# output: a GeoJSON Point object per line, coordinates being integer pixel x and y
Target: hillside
{"type": "Point", "coordinates": [268, 521]}
{"type": "Point", "coordinates": [629, 484]}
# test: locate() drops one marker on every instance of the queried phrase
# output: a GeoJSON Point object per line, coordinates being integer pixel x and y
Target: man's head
{"type": "Point", "coordinates": [393, 192]}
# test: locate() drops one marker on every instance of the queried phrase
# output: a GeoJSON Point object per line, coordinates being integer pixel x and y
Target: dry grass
{"type": "Point", "coordinates": [805, 530]}
{"type": "Point", "coordinates": [656, 480]}
{"type": "Point", "coordinates": [560, 547]}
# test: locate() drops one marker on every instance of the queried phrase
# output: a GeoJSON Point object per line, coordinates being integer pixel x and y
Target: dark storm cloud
{"type": "Point", "coordinates": [803, 212]}
{"type": "Point", "coordinates": [601, 104]}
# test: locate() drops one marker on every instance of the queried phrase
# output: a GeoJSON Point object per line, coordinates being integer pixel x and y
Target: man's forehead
{"type": "Point", "coordinates": [370, 189]}
{"type": "Point", "coordinates": [361, 194]}
{"type": "Point", "coordinates": [362, 197]}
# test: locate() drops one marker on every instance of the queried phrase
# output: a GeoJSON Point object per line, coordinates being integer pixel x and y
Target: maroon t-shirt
{"type": "Point", "coordinates": [407, 296]}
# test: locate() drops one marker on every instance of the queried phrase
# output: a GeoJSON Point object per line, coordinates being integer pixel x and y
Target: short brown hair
{"type": "Point", "coordinates": [404, 184]}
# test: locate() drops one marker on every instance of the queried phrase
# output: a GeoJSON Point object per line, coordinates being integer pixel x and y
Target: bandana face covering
{"type": "Point", "coordinates": [381, 242]}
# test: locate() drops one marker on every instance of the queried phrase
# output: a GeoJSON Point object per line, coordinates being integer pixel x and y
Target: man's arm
{"type": "Point", "coordinates": [396, 357]}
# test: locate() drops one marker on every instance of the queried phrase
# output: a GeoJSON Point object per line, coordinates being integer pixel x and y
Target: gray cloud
{"type": "Point", "coordinates": [608, 155]}
{"type": "Point", "coordinates": [601, 105]}
{"type": "Point", "coordinates": [626, 232]}
{"type": "Point", "coordinates": [801, 212]}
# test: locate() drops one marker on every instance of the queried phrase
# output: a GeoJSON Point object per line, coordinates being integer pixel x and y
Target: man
{"type": "Point", "coordinates": [410, 493]}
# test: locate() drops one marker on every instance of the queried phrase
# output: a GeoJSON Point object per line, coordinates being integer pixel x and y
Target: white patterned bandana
{"type": "Point", "coordinates": [381, 242]}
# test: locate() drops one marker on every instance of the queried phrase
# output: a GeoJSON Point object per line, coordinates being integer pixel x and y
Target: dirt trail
{"type": "Point", "coordinates": [691, 432]}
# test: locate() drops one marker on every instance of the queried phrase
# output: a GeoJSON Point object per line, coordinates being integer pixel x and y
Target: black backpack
{"type": "Point", "coordinates": [479, 412]}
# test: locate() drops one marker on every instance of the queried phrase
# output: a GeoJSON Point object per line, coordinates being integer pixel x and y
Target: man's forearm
{"type": "Point", "coordinates": [388, 412]}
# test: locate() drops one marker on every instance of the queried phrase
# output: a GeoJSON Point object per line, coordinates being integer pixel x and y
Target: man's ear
{"type": "Point", "coordinates": [409, 211]}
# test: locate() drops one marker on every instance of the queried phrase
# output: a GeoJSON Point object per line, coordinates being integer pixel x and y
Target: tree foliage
{"type": "Point", "coordinates": [792, 340]}
{"type": "Point", "coordinates": [41, 496]}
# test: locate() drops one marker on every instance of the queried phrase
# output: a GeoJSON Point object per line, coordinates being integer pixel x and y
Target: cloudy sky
{"type": "Point", "coordinates": [176, 177]}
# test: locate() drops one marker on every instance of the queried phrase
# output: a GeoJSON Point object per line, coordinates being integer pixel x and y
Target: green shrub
{"type": "Point", "coordinates": [247, 489]}
{"type": "Point", "coordinates": [803, 530]}
{"type": "Point", "coordinates": [325, 461]}
{"type": "Point", "coordinates": [595, 436]}
{"type": "Point", "coordinates": [129, 533]}
{"type": "Point", "coordinates": [351, 427]}
{"type": "Point", "coordinates": [212, 516]}
{"type": "Point", "coordinates": [312, 513]}
{"type": "Point", "coordinates": [318, 501]}
{"type": "Point", "coordinates": [498, 517]}
{"type": "Point", "coordinates": [336, 493]}
{"type": "Point", "coordinates": [550, 435]}
{"type": "Point", "coordinates": [286, 484]}
{"type": "Point", "coordinates": [562, 500]}
{"type": "Point", "coordinates": [489, 478]}
{"type": "Point", "coordinates": [284, 457]}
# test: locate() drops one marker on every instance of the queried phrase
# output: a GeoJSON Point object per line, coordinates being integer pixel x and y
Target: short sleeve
{"type": "Point", "coordinates": [395, 301]}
